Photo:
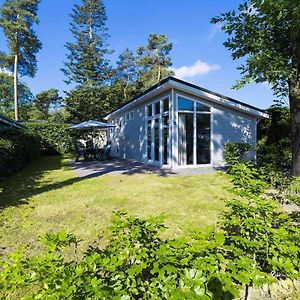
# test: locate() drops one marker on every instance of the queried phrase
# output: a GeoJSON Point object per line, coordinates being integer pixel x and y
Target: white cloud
{"type": "Point", "coordinates": [198, 68]}
{"type": "Point", "coordinates": [5, 71]}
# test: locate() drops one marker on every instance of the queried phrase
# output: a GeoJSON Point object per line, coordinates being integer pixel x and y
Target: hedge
{"type": "Point", "coordinates": [55, 137]}
{"type": "Point", "coordinates": [17, 149]}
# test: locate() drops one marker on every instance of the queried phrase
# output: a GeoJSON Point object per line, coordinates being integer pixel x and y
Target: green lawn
{"type": "Point", "coordinates": [47, 196]}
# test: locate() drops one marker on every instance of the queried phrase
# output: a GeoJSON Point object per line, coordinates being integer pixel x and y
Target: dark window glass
{"type": "Point", "coordinates": [165, 139]}
{"type": "Point", "coordinates": [186, 139]}
{"type": "Point", "coordinates": [185, 104]}
{"type": "Point", "coordinates": [189, 138]}
{"type": "Point", "coordinates": [157, 108]}
{"type": "Point", "coordinates": [166, 104]}
{"type": "Point", "coordinates": [202, 107]}
{"type": "Point", "coordinates": [156, 140]}
{"type": "Point", "coordinates": [149, 110]}
{"type": "Point", "coordinates": [149, 141]}
{"type": "Point", "coordinates": [203, 138]}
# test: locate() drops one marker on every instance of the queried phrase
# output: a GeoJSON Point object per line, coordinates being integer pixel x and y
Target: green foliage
{"type": "Point", "coordinates": [265, 33]}
{"type": "Point", "coordinates": [248, 180]}
{"type": "Point", "coordinates": [154, 61]}
{"type": "Point", "coordinates": [44, 104]}
{"type": "Point", "coordinates": [235, 151]}
{"type": "Point", "coordinates": [7, 96]}
{"type": "Point", "coordinates": [126, 75]}
{"type": "Point", "coordinates": [136, 264]}
{"type": "Point", "coordinates": [255, 245]}
{"type": "Point", "coordinates": [17, 149]}
{"type": "Point", "coordinates": [17, 18]}
{"type": "Point", "coordinates": [263, 240]}
{"type": "Point", "coordinates": [274, 140]}
{"type": "Point", "coordinates": [88, 103]}
{"type": "Point", "coordinates": [55, 137]}
{"type": "Point", "coordinates": [86, 61]}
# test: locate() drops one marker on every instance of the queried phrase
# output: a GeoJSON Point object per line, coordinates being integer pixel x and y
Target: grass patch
{"type": "Point", "coordinates": [47, 197]}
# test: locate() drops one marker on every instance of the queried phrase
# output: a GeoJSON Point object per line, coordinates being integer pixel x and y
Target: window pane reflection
{"type": "Point", "coordinates": [185, 104]}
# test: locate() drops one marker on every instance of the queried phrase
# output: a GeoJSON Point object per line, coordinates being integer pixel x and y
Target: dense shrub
{"type": "Point", "coordinates": [17, 149]}
{"type": "Point", "coordinates": [235, 152]}
{"type": "Point", "coordinates": [255, 244]}
{"type": "Point", "coordinates": [55, 137]}
{"type": "Point", "coordinates": [274, 140]}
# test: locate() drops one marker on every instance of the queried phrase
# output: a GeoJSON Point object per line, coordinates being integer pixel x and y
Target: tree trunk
{"type": "Point", "coordinates": [159, 74]}
{"type": "Point", "coordinates": [16, 88]}
{"type": "Point", "coordinates": [294, 98]}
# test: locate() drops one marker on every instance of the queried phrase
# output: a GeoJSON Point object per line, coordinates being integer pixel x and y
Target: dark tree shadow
{"type": "Point", "coordinates": [215, 286]}
{"type": "Point", "coordinates": [20, 187]}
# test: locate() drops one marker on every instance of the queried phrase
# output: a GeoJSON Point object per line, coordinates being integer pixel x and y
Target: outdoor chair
{"type": "Point", "coordinates": [80, 151]}
{"type": "Point", "coordinates": [105, 154]}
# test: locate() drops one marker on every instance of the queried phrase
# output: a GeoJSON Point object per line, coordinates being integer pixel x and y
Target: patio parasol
{"type": "Point", "coordinates": [92, 124]}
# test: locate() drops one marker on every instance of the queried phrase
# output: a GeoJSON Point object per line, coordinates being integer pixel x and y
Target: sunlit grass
{"type": "Point", "coordinates": [47, 196]}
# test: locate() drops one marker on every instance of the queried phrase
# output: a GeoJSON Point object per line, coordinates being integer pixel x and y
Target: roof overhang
{"type": "Point", "coordinates": [9, 123]}
{"type": "Point", "coordinates": [174, 83]}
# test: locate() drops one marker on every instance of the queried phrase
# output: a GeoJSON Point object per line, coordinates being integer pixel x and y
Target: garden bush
{"type": "Point", "coordinates": [17, 149]}
{"type": "Point", "coordinates": [55, 137]}
{"type": "Point", "coordinates": [274, 140]}
{"type": "Point", "coordinates": [235, 152]}
{"type": "Point", "coordinates": [254, 244]}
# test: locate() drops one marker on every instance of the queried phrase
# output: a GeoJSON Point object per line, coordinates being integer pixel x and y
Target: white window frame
{"type": "Point", "coordinates": [129, 116]}
{"type": "Point", "coordinates": [195, 112]}
{"type": "Point", "coordinates": [152, 118]}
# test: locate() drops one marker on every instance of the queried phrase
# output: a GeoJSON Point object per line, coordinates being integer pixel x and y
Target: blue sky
{"type": "Point", "coordinates": [198, 54]}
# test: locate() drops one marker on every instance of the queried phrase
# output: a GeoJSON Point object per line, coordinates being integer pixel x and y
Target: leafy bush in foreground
{"type": "Point", "coordinates": [254, 245]}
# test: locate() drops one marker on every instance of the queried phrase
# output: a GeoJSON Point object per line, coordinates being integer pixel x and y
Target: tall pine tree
{"type": "Point", "coordinates": [17, 18]}
{"type": "Point", "coordinates": [154, 60]}
{"type": "Point", "coordinates": [126, 74]}
{"type": "Point", "coordinates": [86, 61]}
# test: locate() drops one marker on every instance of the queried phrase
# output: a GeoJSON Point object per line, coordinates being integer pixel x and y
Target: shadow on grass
{"type": "Point", "coordinates": [19, 188]}
{"type": "Point", "coordinates": [31, 181]}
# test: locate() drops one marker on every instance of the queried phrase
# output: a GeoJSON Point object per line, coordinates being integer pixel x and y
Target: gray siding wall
{"type": "Point", "coordinates": [230, 125]}
{"type": "Point", "coordinates": [128, 140]}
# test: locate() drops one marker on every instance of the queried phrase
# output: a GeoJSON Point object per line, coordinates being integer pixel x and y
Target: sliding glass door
{"type": "Point", "coordinates": [193, 132]}
{"type": "Point", "coordinates": [186, 138]}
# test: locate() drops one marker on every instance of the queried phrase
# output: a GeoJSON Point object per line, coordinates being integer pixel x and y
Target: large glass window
{"type": "Point", "coordinates": [203, 138]}
{"type": "Point", "coordinates": [202, 107]}
{"type": "Point", "coordinates": [166, 105]}
{"type": "Point", "coordinates": [149, 110]}
{"type": "Point", "coordinates": [157, 124]}
{"type": "Point", "coordinates": [157, 108]}
{"type": "Point", "coordinates": [193, 132]}
{"type": "Point", "coordinates": [186, 139]}
{"type": "Point", "coordinates": [185, 104]}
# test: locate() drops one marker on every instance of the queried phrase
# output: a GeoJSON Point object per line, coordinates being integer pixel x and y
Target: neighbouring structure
{"type": "Point", "coordinates": [176, 123]}
{"type": "Point", "coordinates": [7, 123]}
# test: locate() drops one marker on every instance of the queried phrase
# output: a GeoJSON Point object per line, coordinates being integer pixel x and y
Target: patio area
{"type": "Point", "coordinates": [121, 166]}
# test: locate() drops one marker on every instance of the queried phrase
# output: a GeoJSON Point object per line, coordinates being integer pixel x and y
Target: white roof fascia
{"type": "Point", "coordinates": [162, 88]}
{"type": "Point", "coordinates": [219, 100]}
{"type": "Point", "coordinates": [194, 91]}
